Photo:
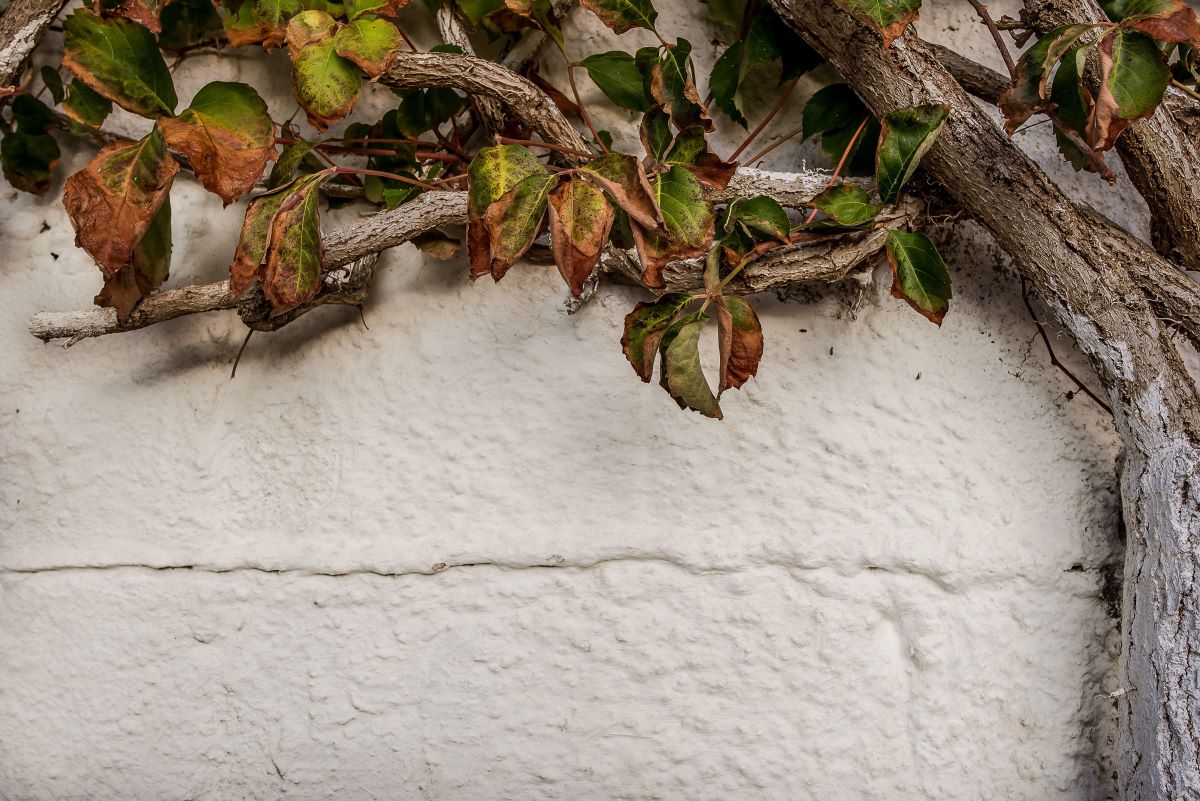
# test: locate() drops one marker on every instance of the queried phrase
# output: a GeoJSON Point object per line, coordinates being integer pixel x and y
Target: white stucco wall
{"type": "Point", "coordinates": [465, 555]}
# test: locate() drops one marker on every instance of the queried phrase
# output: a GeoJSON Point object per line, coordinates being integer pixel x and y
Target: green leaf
{"type": "Point", "coordinates": [847, 205]}
{"type": "Point", "coordinates": [740, 340]}
{"type": "Point", "coordinates": [325, 84]}
{"type": "Point", "coordinates": [424, 110]}
{"type": "Point", "coordinates": [515, 219]}
{"type": "Point", "coordinates": [492, 174]}
{"type": "Point", "coordinates": [477, 10]}
{"type": "Point", "coordinates": [672, 85]}
{"type": "Point", "coordinates": [644, 328]}
{"type": "Point", "coordinates": [919, 275]}
{"type": "Point", "coordinates": [836, 114]}
{"type": "Point", "coordinates": [619, 78]}
{"type": "Point", "coordinates": [227, 136]}
{"type": "Point", "coordinates": [28, 153]}
{"type": "Point", "coordinates": [682, 376]}
{"type": "Point", "coordinates": [54, 83]}
{"type": "Point", "coordinates": [656, 133]}
{"type": "Point", "coordinates": [369, 42]}
{"type": "Point", "coordinates": [186, 23]}
{"type": "Point", "coordinates": [760, 217]}
{"type": "Point", "coordinates": [292, 265]}
{"type": "Point", "coordinates": [907, 134]}
{"type": "Point", "coordinates": [87, 109]}
{"type": "Point", "coordinates": [691, 150]}
{"type": "Point", "coordinates": [688, 221]}
{"type": "Point", "coordinates": [889, 17]}
{"type": "Point", "coordinates": [622, 15]}
{"type": "Point", "coordinates": [1134, 76]}
{"type": "Point", "coordinates": [727, 14]}
{"type": "Point", "coordinates": [729, 72]}
{"type": "Point", "coordinates": [121, 61]}
{"type": "Point", "coordinates": [1067, 95]}
{"type": "Point", "coordinates": [288, 162]}
{"type": "Point", "coordinates": [246, 267]}
{"type": "Point", "coordinates": [1028, 93]}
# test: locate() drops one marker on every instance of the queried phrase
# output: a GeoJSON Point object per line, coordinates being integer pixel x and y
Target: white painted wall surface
{"type": "Point", "coordinates": [465, 555]}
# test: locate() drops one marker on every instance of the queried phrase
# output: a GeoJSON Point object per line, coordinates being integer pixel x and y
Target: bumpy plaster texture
{"type": "Point", "coordinates": [464, 554]}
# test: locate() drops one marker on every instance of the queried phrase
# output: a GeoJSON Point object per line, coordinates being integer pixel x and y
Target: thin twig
{"type": "Point", "coordinates": [984, 15]}
{"type": "Point", "coordinates": [783, 98]}
{"type": "Point", "coordinates": [1053, 357]}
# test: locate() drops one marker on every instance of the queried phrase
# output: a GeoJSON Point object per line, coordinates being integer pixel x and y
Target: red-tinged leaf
{"type": "Point", "coordinates": [622, 15]}
{"type": "Point", "coordinates": [491, 174]}
{"type": "Point", "coordinates": [378, 8]}
{"type": "Point", "coordinates": [1133, 77]}
{"type": "Point", "coordinates": [644, 329]}
{"type": "Point", "coordinates": [1030, 91]}
{"type": "Point", "coordinates": [120, 60]}
{"type": "Point", "coordinates": [144, 12]}
{"type": "Point", "coordinates": [580, 220]}
{"type": "Point", "coordinates": [292, 265]}
{"type": "Point", "coordinates": [688, 221]}
{"type": "Point", "coordinates": [151, 263]}
{"type": "Point", "coordinates": [112, 201]}
{"type": "Point", "coordinates": [515, 220]}
{"type": "Point", "coordinates": [1177, 23]}
{"type": "Point", "coordinates": [246, 267]}
{"type": "Point", "coordinates": [691, 150]}
{"type": "Point", "coordinates": [624, 179]}
{"type": "Point", "coordinates": [227, 137]}
{"type": "Point", "coordinates": [741, 341]}
{"type": "Point", "coordinates": [325, 85]}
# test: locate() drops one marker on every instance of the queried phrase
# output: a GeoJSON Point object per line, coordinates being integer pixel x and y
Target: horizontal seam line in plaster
{"type": "Point", "coordinates": [937, 581]}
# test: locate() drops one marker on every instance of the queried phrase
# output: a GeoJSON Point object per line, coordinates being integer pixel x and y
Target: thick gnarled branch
{"type": "Point", "coordinates": [21, 28]}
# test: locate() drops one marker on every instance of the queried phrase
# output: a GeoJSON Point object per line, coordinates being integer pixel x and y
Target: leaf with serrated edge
{"type": "Point", "coordinates": [919, 275]}
{"type": "Point", "coordinates": [120, 60]}
{"type": "Point", "coordinates": [227, 136]}
{"type": "Point", "coordinates": [515, 219]}
{"type": "Point", "coordinates": [369, 43]}
{"type": "Point", "coordinates": [491, 174]}
{"type": "Point", "coordinates": [580, 220]}
{"type": "Point", "coordinates": [112, 201]}
{"type": "Point", "coordinates": [292, 265]}
{"type": "Point", "coordinates": [907, 134]}
{"type": "Point", "coordinates": [740, 340]}
{"type": "Point", "coordinates": [682, 374]}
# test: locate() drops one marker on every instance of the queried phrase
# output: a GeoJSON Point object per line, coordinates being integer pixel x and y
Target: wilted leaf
{"type": "Point", "coordinates": [740, 339]}
{"type": "Point", "coordinates": [656, 133]}
{"type": "Point", "coordinates": [514, 220]}
{"type": "Point", "coordinates": [691, 150]}
{"type": "Point", "coordinates": [227, 136]}
{"type": "Point", "coordinates": [846, 204]}
{"type": "Point", "coordinates": [491, 174]}
{"type": "Point", "coordinates": [28, 152]}
{"type": "Point", "coordinates": [288, 162]}
{"type": "Point", "coordinates": [144, 12]}
{"type": "Point", "coordinates": [1029, 91]}
{"type": "Point", "coordinates": [1133, 77]}
{"type": "Point", "coordinates": [256, 228]}
{"type": "Point", "coordinates": [644, 328]}
{"type": "Point", "coordinates": [621, 15]}
{"type": "Point", "coordinates": [889, 17]}
{"type": "Point", "coordinates": [919, 275]}
{"type": "Point", "coordinates": [672, 85]}
{"type": "Point", "coordinates": [113, 200]}
{"type": "Point", "coordinates": [292, 265]}
{"type": "Point", "coordinates": [150, 266]}
{"type": "Point", "coordinates": [625, 181]}
{"type": "Point", "coordinates": [1164, 20]}
{"type": "Point", "coordinates": [619, 78]}
{"type": "Point", "coordinates": [120, 60]}
{"type": "Point", "coordinates": [682, 376]}
{"type": "Point", "coordinates": [325, 84]}
{"type": "Point", "coordinates": [688, 220]}
{"type": "Point", "coordinates": [907, 134]}
{"type": "Point", "coordinates": [87, 108]}
{"type": "Point", "coordinates": [380, 8]}
{"type": "Point", "coordinates": [371, 43]}
{"type": "Point", "coordinates": [580, 219]}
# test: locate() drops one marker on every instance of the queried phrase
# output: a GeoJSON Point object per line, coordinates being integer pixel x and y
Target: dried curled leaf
{"type": "Point", "coordinates": [740, 339]}
{"type": "Point", "coordinates": [227, 137]}
{"type": "Point", "coordinates": [112, 201]}
{"type": "Point", "coordinates": [251, 252]}
{"type": "Point", "coordinates": [149, 268]}
{"type": "Point", "coordinates": [491, 174]}
{"type": "Point", "coordinates": [144, 12]}
{"type": "Point", "coordinates": [292, 265]}
{"type": "Point", "coordinates": [580, 221]}
{"type": "Point", "coordinates": [624, 179]}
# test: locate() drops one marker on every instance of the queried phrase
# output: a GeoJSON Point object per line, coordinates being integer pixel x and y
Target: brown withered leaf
{"type": "Point", "coordinates": [227, 137]}
{"type": "Point", "coordinates": [292, 265]}
{"type": "Point", "coordinates": [515, 220]}
{"type": "Point", "coordinates": [580, 221]}
{"type": "Point", "coordinates": [143, 12]}
{"type": "Point", "coordinates": [624, 179]}
{"type": "Point", "coordinates": [1179, 24]}
{"type": "Point", "coordinates": [741, 341]}
{"type": "Point", "coordinates": [112, 201]}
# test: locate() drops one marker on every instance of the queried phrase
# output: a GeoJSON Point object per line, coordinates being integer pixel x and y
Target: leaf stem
{"type": "Point", "coordinates": [587, 118]}
{"type": "Point", "coordinates": [765, 120]}
{"type": "Point", "coordinates": [381, 174]}
{"type": "Point", "coordinates": [841, 162]}
{"type": "Point", "coordinates": [570, 151]}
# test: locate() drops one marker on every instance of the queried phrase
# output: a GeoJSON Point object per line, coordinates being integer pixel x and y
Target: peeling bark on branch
{"type": "Point", "coordinates": [1085, 271]}
{"type": "Point", "coordinates": [21, 28]}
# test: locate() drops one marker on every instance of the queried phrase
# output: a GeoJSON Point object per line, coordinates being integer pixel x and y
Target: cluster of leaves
{"type": "Point", "coordinates": [658, 202]}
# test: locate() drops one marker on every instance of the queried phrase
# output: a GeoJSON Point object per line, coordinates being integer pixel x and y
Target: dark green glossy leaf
{"type": "Point", "coordinates": [656, 133]}
{"type": "Point", "coordinates": [87, 109]}
{"type": "Point", "coordinates": [760, 217]}
{"type": "Point", "coordinates": [907, 134]}
{"type": "Point", "coordinates": [121, 61]}
{"type": "Point", "coordinates": [54, 83]}
{"type": "Point", "coordinates": [919, 275]}
{"type": "Point", "coordinates": [1134, 76]}
{"type": "Point", "coordinates": [618, 77]}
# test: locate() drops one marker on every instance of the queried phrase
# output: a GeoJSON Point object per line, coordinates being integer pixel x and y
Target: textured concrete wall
{"type": "Point", "coordinates": [466, 555]}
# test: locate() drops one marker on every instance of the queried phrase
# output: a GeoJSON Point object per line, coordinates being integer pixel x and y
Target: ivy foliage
{"type": "Point", "coordinates": [524, 195]}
